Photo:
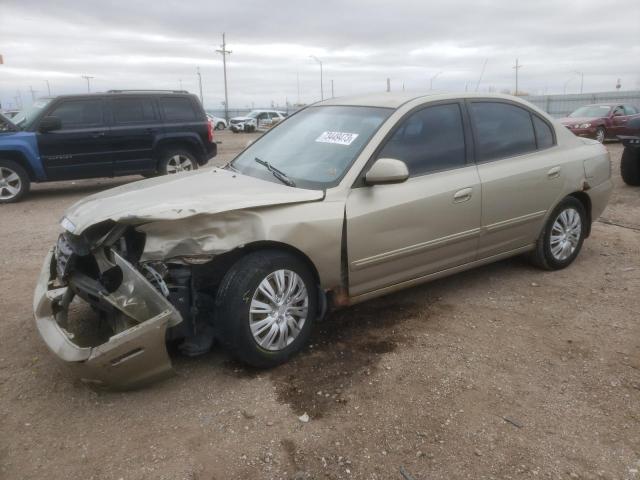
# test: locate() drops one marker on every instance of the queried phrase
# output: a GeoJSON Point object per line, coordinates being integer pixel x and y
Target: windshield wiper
{"type": "Point", "coordinates": [280, 175]}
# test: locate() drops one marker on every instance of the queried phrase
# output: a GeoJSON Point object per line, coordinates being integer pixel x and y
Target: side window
{"type": "Point", "coordinates": [629, 110]}
{"type": "Point", "coordinates": [429, 140]}
{"type": "Point", "coordinates": [544, 134]}
{"type": "Point", "coordinates": [618, 111]}
{"type": "Point", "coordinates": [177, 109]}
{"type": "Point", "coordinates": [502, 130]}
{"type": "Point", "coordinates": [132, 110]}
{"type": "Point", "coordinates": [85, 113]}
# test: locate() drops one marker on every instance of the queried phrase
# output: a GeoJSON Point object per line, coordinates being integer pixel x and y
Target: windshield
{"type": "Point", "coordinates": [591, 111]}
{"type": "Point", "coordinates": [25, 117]}
{"type": "Point", "coordinates": [253, 114]}
{"type": "Point", "coordinates": [315, 147]}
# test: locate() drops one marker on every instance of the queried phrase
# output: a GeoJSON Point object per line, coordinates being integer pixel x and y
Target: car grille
{"type": "Point", "coordinates": [64, 257]}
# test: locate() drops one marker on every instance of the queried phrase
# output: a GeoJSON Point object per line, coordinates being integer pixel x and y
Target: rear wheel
{"type": "Point", "coordinates": [176, 161]}
{"type": "Point", "coordinates": [220, 126]}
{"type": "Point", "coordinates": [600, 134]}
{"type": "Point", "coordinates": [14, 181]}
{"type": "Point", "coordinates": [265, 307]}
{"type": "Point", "coordinates": [630, 166]}
{"type": "Point", "coordinates": [562, 237]}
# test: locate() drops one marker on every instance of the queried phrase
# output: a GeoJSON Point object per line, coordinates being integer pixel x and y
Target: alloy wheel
{"type": "Point", "coordinates": [600, 135]}
{"type": "Point", "coordinates": [565, 234]}
{"type": "Point", "coordinates": [10, 184]}
{"type": "Point", "coordinates": [179, 163]}
{"type": "Point", "coordinates": [278, 310]}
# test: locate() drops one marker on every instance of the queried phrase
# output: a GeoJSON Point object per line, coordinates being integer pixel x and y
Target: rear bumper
{"type": "Point", "coordinates": [599, 196]}
{"type": "Point", "coordinates": [129, 359]}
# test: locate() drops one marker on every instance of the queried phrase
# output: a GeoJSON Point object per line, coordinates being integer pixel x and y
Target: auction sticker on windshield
{"type": "Point", "coordinates": [340, 138]}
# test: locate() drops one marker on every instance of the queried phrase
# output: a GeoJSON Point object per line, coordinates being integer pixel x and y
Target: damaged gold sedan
{"type": "Point", "coordinates": [346, 200]}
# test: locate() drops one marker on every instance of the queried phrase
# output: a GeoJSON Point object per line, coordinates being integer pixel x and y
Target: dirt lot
{"type": "Point", "coordinates": [501, 372]}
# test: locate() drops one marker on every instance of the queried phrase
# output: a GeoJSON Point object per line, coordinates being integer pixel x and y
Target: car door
{"type": "Point", "coordinates": [80, 148]}
{"type": "Point", "coordinates": [263, 120]}
{"type": "Point", "coordinates": [619, 121]}
{"type": "Point", "coordinates": [521, 170]}
{"type": "Point", "coordinates": [135, 123]}
{"type": "Point", "coordinates": [631, 113]}
{"type": "Point", "coordinates": [429, 223]}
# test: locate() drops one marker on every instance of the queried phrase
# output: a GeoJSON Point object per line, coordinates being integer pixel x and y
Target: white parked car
{"type": "Point", "coordinates": [217, 122]}
{"type": "Point", "coordinates": [256, 120]}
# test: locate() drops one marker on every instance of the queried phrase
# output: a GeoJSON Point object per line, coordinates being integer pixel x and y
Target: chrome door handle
{"type": "Point", "coordinates": [462, 195]}
{"type": "Point", "coordinates": [554, 172]}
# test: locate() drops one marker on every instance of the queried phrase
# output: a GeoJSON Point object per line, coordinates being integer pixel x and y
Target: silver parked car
{"type": "Point", "coordinates": [346, 200]}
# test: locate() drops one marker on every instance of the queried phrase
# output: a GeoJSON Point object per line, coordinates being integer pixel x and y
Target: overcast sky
{"type": "Point", "coordinates": [159, 44]}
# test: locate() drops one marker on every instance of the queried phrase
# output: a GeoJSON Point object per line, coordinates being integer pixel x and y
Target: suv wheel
{"type": "Point", "coordinates": [630, 166]}
{"type": "Point", "coordinates": [176, 161]}
{"type": "Point", "coordinates": [562, 237]}
{"type": "Point", "coordinates": [14, 181]}
{"type": "Point", "coordinates": [265, 307]}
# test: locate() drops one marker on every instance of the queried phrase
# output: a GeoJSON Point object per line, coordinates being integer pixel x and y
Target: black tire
{"type": "Point", "coordinates": [12, 177]}
{"type": "Point", "coordinates": [234, 298]}
{"type": "Point", "coordinates": [542, 256]}
{"type": "Point", "coordinates": [169, 160]}
{"type": "Point", "coordinates": [601, 134]}
{"type": "Point", "coordinates": [219, 126]}
{"type": "Point", "coordinates": [630, 166]}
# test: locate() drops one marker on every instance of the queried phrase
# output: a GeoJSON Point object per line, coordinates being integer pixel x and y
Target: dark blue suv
{"type": "Point", "coordinates": [121, 132]}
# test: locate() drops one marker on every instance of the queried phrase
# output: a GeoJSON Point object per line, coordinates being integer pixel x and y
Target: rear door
{"type": "Point", "coordinates": [135, 123]}
{"type": "Point", "coordinates": [521, 170]}
{"type": "Point", "coordinates": [80, 149]}
{"type": "Point", "coordinates": [429, 223]}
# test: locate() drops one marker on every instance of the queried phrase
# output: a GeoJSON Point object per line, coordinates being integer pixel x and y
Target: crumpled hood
{"type": "Point", "coordinates": [242, 119]}
{"type": "Point", "coordinates": [173, 197]}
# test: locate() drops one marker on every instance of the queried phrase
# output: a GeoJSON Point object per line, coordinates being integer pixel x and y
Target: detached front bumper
{"type": "Point", "coordinates": [128, 359]}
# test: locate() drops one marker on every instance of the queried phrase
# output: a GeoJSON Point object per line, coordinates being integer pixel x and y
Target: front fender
{"type": "Point", "coordinates": [26, 144]}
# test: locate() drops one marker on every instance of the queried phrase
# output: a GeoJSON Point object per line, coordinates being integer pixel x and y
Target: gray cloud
{"type": "Point", "coordinates": [155, 44]}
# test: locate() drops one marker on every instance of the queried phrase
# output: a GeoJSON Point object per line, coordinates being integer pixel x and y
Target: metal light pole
{"type": "Point", "coordinates": [432, 79]}
{"type": "Point", "coordinates": [581, 79]}
{"type": "Point", "coordinates": [224, 52]}
{"type": "Point", "coordinates": [200, 83]}
{"type": "Point", "coordinates": [332, 89]}
{"type": "Point", "coordinates": [48, 87]}
{"type": "Point", "coordinates": [321, 87]}
{"type": "Point", "coordinates": [88, 79]}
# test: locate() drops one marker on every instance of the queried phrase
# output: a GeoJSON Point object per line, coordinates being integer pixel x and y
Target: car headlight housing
{"type": "Point", "coordinates": [584, 125]}
{"type": "Point", "coordinates": [67, 225]}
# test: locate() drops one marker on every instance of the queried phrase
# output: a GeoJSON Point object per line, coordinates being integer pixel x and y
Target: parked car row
{"type": "Point", "coordinates": [256, 120]}
{"type": "Point", "coordinates": [345, 201]}
{"type": "Point", "coordinates": [103, 135]}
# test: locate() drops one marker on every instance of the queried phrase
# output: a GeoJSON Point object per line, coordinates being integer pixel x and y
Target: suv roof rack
{"type": "Point", "coordinates": [146, 90]}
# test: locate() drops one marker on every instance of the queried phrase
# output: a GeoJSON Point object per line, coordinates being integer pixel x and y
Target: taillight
{"type": "Point", "coordinates": [210, 131]}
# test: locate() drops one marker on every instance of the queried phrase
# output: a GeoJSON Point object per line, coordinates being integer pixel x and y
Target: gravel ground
{"type": "Point", "coordinates": [501, 372]}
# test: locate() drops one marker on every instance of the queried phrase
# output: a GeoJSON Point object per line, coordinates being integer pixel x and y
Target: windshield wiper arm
{"type": "Point", "coordinates": [280, 175]}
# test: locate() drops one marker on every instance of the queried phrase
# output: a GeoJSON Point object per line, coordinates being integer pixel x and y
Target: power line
{"type": "Point", "coordinates": [224, 52]}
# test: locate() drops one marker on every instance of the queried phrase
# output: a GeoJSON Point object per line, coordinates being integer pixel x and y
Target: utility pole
{"type": "Point", "coordinates": [33, 93]}
{"type": "Point", "coordinates": [432, 79]}
{"type": "Point", "coordinates": [48, 88]}
{"type": "Point", "coordinates": [88, 79]}
{"type": "Point", "coordinates": [332, 89]}
{"type": "Point", "coordinates": [224, 52]}
{"type": "Point", "coordinates": [581, 79]}
{"type": "Point", "coordinates": [200, 83]}
{"type": "Point", "coordinates": [517, 67]}
{"type": "Point", "coordinates": [388, 84]}
{"type": "Point", "coordinates": [321, 87]}
{"type": "Point", "coordinates": [484, 65]}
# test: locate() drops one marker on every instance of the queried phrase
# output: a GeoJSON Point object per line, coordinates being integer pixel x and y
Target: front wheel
{"type": "Point", "coordinates": [220, 126]}
{"type": "Point", "coordinates": [601, 134]}
{"type": "Point", "coordinates": [14, 182]}
{"type": "Point", "coordinates": [176, 161]}
{"type": "Point", "coordinates": [265, 307]}
{"type": "Point", "coordinates": [562, 237]}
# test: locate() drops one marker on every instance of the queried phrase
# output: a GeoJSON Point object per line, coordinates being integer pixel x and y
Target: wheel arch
{"type": "Point", "coordinates": [20, 159]}
{"type": "Point", "coordinates": [186, 143]}
{"type": "Point", "coordinates": [583, 198]}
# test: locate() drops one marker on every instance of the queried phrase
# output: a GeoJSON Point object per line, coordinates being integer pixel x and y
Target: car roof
{"type": "Point", "coordinates": [396, 100]}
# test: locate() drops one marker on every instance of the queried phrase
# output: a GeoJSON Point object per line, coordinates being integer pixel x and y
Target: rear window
{"type": "Point", "coordinates": [132, 110]}
{"type": "Point", "coordinates": [178, 109]}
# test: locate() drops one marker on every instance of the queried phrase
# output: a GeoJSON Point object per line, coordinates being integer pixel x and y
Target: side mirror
{"type": "Point", "coordinates": [385, 171]}
{"type": "Point", "coordinates": [49, 124]}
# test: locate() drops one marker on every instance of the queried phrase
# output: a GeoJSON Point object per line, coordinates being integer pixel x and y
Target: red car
{"type": "Point", "coordinates": [601, 121]}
